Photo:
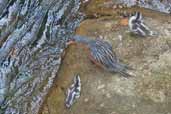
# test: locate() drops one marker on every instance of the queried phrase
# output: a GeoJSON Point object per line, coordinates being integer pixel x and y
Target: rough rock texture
{"type": "Point", "coordinates": [149, 92]}
{"type": "Point", "coordinates": [158, 5]}
{"type": "Point", "coordinates": [32, 38]}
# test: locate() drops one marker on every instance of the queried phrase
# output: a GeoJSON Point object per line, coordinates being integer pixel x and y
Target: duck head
{"type": "Point", "coordinates": [135, 18]}
{"type": "Point", "coordinates": [78, 39]}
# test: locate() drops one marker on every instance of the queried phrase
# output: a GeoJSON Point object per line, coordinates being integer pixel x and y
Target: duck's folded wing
{"type": "Point", "coordinates": [103, 56]}
{"type": "Point", "coordinates": [106, 48]}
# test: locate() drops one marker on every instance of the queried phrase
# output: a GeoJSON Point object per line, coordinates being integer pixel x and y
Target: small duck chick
{"type": "Point", "coordinates": [137, 26]}
{"type": "Point", "coordinates": [73, 92]}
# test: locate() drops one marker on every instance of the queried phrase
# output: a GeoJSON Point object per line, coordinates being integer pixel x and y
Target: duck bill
{"type": "Point", "coordinates": [70, 42]}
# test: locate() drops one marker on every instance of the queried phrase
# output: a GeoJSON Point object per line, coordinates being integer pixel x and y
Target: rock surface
{"type": "Point", "coordinates": [149, 92]}
{"type": "Point", "coordinates": [32, 39]}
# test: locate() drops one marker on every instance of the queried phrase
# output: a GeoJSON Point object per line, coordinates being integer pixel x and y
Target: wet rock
{"type": "Point", "coordinates": [102, 105]}
{"type": "Point", "coordinates": [100, 86]}
{"type": "Point", "coordinates": [86, 100]}
{"type": "Point", "coordinates": [148, 92]}
{"type": "Point", "coordinates": [108, 95]}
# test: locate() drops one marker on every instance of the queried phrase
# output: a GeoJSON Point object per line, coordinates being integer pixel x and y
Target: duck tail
{"type": "Point", "coordinates": [126, 67]}
{"type": "Point", "coordinates": [123, 69]}
{"type": "Point", "coordinates": [124, 73]}
{"type": "Point", "coordinates": [153, 33]}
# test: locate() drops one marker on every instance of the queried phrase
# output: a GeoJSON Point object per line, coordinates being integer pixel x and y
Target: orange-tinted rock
{"type": "Point", "coordinates": [107, 93]}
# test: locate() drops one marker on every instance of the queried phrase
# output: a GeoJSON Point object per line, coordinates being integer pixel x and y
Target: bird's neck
{"type": "Point", "coordinates": [83, 39]}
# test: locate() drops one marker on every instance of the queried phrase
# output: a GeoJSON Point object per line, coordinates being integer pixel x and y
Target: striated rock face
{"type": "Point", "coordinates": [149, 92]}
{"type": "Point", "coordinates": [158, 5]}
{"type": "Point", "coordinates": [32, 39]}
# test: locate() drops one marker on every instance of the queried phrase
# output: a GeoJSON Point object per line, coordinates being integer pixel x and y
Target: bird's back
{"type": "Point", "coordinates": [104, 55]}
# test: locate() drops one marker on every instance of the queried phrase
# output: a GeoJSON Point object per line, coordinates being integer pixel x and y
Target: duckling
{"type": "Point", "coordinates": [101, 53]}
{"type": "Point", "coordinates": [137, 26]}
{"type": "Point", "coordinates": [73, 92]}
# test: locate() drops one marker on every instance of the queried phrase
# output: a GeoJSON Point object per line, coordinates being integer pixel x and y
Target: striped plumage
{"type": "Point", "coordinates": [138, 27]}
{"type": "Point", "coordinates": [102, 54]}
{"type": "Point", "coordinates": [73, 92]}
